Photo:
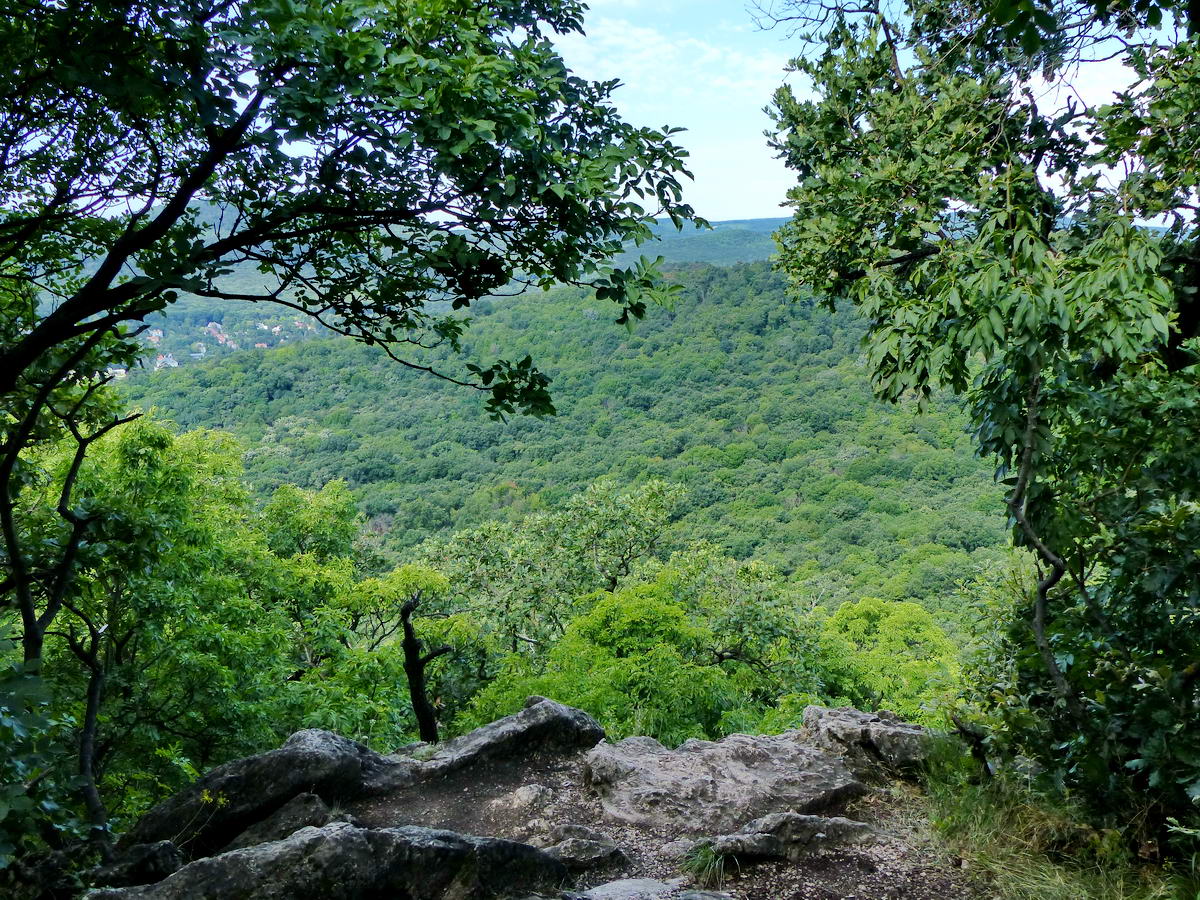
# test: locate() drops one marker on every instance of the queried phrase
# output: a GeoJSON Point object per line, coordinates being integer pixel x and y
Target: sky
{"type": "Point", "coordinates": [705, 66]}
{"type": "Point", "coordinates": [702, 65]}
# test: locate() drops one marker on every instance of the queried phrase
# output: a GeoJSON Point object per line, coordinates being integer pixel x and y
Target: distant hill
{"type": "Point", "coordinates": [741, 240]}
{"type": "Point", "coordinates": [197, 328]}
{"type": "Point", "coordinates": [759, 406]}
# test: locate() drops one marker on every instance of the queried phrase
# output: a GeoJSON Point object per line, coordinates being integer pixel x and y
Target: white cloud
{"type": "Point", "coordinates": [715, 90]}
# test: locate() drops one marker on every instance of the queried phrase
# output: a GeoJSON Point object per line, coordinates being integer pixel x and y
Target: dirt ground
{"type": "Point", "coordinates": [901, 862]}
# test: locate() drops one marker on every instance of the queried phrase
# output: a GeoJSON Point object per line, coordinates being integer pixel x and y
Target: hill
{"type": "Point", "coordinates": [758, 406]}
{"type": "Point", "coordinates": [197, 329]}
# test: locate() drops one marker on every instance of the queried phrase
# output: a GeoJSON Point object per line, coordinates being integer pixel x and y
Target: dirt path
{"type": "Point", "coordinates": [521, 799]}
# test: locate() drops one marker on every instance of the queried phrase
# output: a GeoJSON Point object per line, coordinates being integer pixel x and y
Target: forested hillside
{"type": "Point", "coordinates": [758, 406]}
{"type": "Point", "coordinates": [202, 329]}
{"type": "Point", "coordinates": [341, 389]}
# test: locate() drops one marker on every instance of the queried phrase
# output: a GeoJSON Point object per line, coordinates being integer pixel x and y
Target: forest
{"type": "Point", "coordinates": [365, 369]}
{"type": "Point", "coordinates": [759, 408]}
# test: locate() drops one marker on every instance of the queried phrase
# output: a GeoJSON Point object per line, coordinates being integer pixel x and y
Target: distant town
{"type": "Point", "coordinates": [178, 340]}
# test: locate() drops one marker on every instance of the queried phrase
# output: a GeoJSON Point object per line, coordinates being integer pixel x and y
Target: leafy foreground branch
{"type": "Point", "coordinates": [378, 166]}
{"type": "Point", "coordinates": [980, 235]}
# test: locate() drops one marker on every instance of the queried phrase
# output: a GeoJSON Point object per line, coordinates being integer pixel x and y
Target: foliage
{"type": "Point", "coordinates": [978, 233]}
{"type": "Point", "coordinates": [758, 408]}
{"type": "Point", "coordinates": [889, 655]}
{"type": "Point", "coordinates": [635, 661]}
{"type": "Point", "coordinates": [1031, 846]}
{"type": "Point", "coordinates": [522, 578]}
{"type": "Point", "coordinates": [33, 801]}
{"type": "Point", "coordinates": [705, 865]}
{"type": "Point", "coordinates": [160, 645]}
{"type": "Point", "coordinates": [364, 157]}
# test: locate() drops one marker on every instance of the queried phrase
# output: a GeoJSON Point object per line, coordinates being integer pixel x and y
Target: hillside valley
{"type": "Point", "coordinates": [759, 407]}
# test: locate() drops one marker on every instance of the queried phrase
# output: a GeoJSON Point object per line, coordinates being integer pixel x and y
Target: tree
{"type": "Point", "coordinates": [994, 247]}
{"type": "Point", "coordinates": [389, 604]}
{"type": "Point", "coordinates": [892, 655]}
{"type": "Point", "coordinates": [523, 578]}
{"type": "Point", "coordinates": [156, 640]}
{"type": "Point", "coordinates": [63, 399]}
{"type": "Point", "coordinates": [367, 156]}
{"type": "Point", "coordinates": [364, 158]}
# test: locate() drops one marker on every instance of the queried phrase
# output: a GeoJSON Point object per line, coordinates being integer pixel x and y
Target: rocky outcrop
{"type": "Point", "coordinates": [272, 825]}
{"type": "Point", "coordinates": [345, 862]}
{"type": "Point", "coordinates": [302, 811]}
{"type": "Point", "coordinates": [543, 725]}
{"type": "Point", "coordinates": [205, 817]}
{"type": "Point", "coordinates": [231, 798]}
{"type": "Point", "coordinates": [789, 836]}
{"type": "Point", "coordinates": [868, 742]}
{"type": "Point", "coordinates": [707, 787]}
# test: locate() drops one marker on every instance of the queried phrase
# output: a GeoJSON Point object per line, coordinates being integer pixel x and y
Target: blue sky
{"type": "Point", "coordinates": [704, 66]}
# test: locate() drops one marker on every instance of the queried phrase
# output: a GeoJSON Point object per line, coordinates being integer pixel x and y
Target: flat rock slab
{"type": "Point", "coordinates": [345, 862]}
{"type": "Point", "coordinates": [630, 889]}
{"type": "Point", "coordinates": [790, 836]}
{"type": "Point", "coordinates": [871, 743]}
{"type": "Point", "coordinates": [707, 787]}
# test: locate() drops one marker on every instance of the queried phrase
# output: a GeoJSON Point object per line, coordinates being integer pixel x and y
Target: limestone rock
{"type": "Point", "coordinates": [581, 848]}
{"type": "Point", "coordinates": [232, 797]}
{"type": "Point", "coordinates": [714, 787]}
{"type": "Point", "coordinates": [542, 725]}
{"type": "Point", "coordinates": [344, 862]}
{"type": "Point", "coordinates": [140, 864]}
{"type": "Point", "coordinates": [301, 811]}
{"type": "Point", "coordinates": [677, 850]}
{"type": "Point", "coordinates": [868, 741]}
{"type": "Point", "coordinates": [204, 818]}
{"type": "Point", "coordinates": [629, 889]}
{"type": "Point", "coordinates": [789, 836]}
{"type": "Point", "coordinates": [527, 798]}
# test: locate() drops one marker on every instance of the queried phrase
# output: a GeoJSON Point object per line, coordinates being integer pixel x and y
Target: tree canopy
{"type": "Point", "coordinates": [997, 245]}
{"type": "Point", "coordinates": [368, 157]}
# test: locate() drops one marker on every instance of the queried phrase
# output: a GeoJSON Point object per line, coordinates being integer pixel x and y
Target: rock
{"type": "Point", "coordinates": [533, 831]}
{"type": "Point", "coordinates": [205, 817]}
{"type": "Point", "coordinates": [528, 797]}
{"type": "Point", "coordinates": [677, 850]}
{"type": "Point", "coordinates": [559, 833]}
{"type": "Point", "coordinates": [140, 864]}
{"type": "Point", "coordinates": [580, 854]}
{"type": "Point", "coordinates": [344, 862]}
{"type": "Point", "coordinates": [542, 725]}
{"type": "Point", "coordinates": [714, 787]}
{"type": "Point", "coordinates": [868, 741]}
{"type": "Point", "coordinates": [629, 889]}
{"type": "Point", "coordinates": [301, 811]}
{"type": "Point", "coordinates": [789, 836]}
{"type": "Point", "coordinates": [580, 848]}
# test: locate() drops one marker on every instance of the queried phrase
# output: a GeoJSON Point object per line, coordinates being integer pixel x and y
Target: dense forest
{"type": "Point", "coordinates": [759, 407]}
{"type": "Point", "coordinates": [341, 388]}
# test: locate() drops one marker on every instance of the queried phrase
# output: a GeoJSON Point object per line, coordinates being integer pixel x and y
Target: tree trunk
{"type": "Point", "coordinates": [414, 667]}
{"type": "Point", "coordinates": [96, 811]}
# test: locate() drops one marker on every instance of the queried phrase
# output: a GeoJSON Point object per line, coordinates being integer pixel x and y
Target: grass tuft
{"type": "Point", "coordinates": [705, 865]}
{"type": "Point", "coordinates": [1029, 847]}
